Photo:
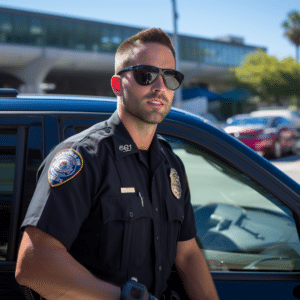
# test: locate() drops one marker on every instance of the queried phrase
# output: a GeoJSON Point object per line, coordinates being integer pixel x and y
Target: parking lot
{"type": "Point", "coordinates": [289, 165]}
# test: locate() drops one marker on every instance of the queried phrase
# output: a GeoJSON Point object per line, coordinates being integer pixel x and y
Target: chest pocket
{"type": "Point", "coordinates": [126, 226]}
{"type": "Point", "coordinates": [175, 213]}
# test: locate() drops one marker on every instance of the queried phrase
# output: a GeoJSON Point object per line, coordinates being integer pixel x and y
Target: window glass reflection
{"type": "Point", "coordinates": [240, 224]}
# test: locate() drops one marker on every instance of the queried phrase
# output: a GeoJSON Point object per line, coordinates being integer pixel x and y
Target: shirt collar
{"type": "Point", "coordinates": [123, 143]}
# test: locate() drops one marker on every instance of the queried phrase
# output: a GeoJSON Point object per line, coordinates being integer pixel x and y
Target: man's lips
{"type": "Point", "coordinates": [156, 102]}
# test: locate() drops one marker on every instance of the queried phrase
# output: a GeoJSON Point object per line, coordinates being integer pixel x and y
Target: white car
{"type": "Point", "coordinates": [286, 113]}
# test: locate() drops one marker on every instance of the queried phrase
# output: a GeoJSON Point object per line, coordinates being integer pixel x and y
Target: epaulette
{"type": "Point", "coordinates": [165, 143]}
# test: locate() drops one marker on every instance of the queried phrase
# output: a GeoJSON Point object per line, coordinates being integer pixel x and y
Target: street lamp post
{"type": "Point", "coordinates": [177, 96]}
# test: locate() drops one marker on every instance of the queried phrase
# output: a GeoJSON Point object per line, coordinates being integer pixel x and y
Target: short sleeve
{"type": "Point", "coordinates": [61, 204]}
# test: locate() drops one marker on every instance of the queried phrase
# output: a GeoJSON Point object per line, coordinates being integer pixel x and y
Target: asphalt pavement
{"type": "Point", "coordinates": [289, 165]}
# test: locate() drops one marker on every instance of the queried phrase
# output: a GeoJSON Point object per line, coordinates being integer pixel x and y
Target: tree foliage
{"type": "Point", "coordinates": [292, 30]}
{"type": "Point", "coordinates": [269, 78]}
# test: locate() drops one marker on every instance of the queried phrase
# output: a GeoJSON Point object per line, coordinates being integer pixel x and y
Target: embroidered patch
{"type": "Point", "coordinates": [65, 165]}
{"type": "Point", "coordinates": [175, 183]}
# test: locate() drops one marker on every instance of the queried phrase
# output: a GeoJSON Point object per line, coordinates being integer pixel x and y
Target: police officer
{"type": "Point", "coordinates": [112, 202]}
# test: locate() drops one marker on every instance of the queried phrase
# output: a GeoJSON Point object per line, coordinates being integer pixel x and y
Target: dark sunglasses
{"type": "Point", "coordinates": [145, 75]}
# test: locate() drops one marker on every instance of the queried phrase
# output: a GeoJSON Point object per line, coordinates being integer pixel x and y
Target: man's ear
{"type": "Point", "coordinates": [116, 85]}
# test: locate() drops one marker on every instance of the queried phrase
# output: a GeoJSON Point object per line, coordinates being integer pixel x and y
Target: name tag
{"type": "Point", "coordinates": [126, 190]}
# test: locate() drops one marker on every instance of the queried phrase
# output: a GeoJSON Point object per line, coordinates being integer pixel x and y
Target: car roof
{"type": "Point", "coordinates": [184, 121]}
{"type": "Point", "coordinates": [275, 112]}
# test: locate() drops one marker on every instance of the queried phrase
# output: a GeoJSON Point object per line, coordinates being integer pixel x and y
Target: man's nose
{"type": "Point", "coordinates": [159, 84]}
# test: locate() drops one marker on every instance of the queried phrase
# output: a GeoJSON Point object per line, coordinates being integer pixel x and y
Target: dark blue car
{"type": "Point", "coordinates": [247, 211]}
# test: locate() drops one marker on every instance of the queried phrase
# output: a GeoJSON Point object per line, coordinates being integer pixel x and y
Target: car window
{"type": "Point", "coordinates": [276, 122]}
{"type": "Point", "coordinates": [34, 159]}
{"type": "Point", "coordinates": [8, 140]}
{"type": "Point", "coordinates": [240, 225]}
{"type": "Point", "coordinates": [284, 122]}
{"type": "Point", "coordinates": [12, 201]}
{"type": "Point", "coordinates": [70, 126]}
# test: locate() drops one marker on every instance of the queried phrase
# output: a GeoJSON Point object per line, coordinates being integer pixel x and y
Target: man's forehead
{"type": "Point", "coordinates": [139, 52]}
{"type": "Point", "coordinates": [148, 47]}
{"type": "Point", "coordinates": [144, 50]}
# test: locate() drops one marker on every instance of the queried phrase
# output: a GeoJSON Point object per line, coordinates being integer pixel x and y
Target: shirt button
{"type": "Point", "coordinates": [156, 209]}
{"type": "Point", "coordinates": [131, 214]}
{"type": "Point", "coordinates": [157, 237]}
{"type": "Point", "coordinates": [160, 268]}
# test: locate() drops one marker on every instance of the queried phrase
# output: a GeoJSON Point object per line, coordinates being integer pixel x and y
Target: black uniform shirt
{"type": "Point", "coordinates": [93, 195]}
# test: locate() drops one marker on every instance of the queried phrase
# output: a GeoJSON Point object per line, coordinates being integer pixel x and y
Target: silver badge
{"type": "Point", "coordinates": [175, 183]}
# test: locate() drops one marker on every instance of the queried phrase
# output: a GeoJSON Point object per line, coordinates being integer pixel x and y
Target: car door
{"type": "Point", "coordinates": [72, 124]}
{"type": "Point", "coordinates": [21, 152]}
{"type": "Point", "coordinates": [247, 219]}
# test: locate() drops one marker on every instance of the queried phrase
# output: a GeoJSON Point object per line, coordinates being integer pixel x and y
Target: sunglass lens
{"type": "Point", "coordinates": [173, 79]}
{"type": "Point", "coordinates": [145, 75]}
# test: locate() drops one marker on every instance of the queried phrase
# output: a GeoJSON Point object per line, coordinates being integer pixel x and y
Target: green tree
{"type": "Point", "coordinates": [269, 78]}
{"type": "Point", "coordinates": [292, 30]}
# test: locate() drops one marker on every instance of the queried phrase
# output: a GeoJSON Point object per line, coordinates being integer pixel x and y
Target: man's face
{"type": "Point", "coordinates": [149, 104]}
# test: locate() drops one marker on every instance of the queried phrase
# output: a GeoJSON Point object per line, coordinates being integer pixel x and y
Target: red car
{"type": "Point", "coordinates": [268, 135]}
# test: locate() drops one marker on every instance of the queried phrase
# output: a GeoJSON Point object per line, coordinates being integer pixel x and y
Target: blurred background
{"type": "Point", "coordinates": [236, 56]}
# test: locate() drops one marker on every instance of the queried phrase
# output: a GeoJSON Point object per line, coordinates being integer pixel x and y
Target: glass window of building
{"type": "Point", "coordinates": [20, 34]}
{"type": "Point", "coordinates": [93, 38]}
{"type": "Point", "coordinates": [116, 38]}
{"type": "Point", "coordinates": [48, 30]}
{"type": "Point", "coordinates": [5, 27]}
{"type": "Point", "coordinates": [68, 35]}
{"type": "Point", "coordinates": [37, 32]}
{"type": "Point", "coordinates": [106, 39]}
{"type": "Point", "coordinates": [53, 33]}
{"type": "Point", "coordinates": [80, 41]}
{"type": "Point", "coordinates": [128, 32]}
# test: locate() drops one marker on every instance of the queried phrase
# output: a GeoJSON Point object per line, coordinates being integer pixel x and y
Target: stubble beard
{"type": "Point", "coordinates": [148, 117]}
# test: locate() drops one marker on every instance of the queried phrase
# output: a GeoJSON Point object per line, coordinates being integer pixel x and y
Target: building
{"type": "Point", "coordinates": [43, 52]}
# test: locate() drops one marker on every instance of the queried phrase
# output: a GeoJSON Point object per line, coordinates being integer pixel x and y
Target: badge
{"type": "Point", "coordinates": [125, 148]}
{"type": "Point", "coordinates": [175, 183]}
{"type": "Point", "coordinates": [125, 190]}
{"type": "Point", "coordinates": [65, 165]}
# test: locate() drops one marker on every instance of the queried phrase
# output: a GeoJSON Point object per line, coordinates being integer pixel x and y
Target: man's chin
{"type": "Point", "coordinates": [155, 119]}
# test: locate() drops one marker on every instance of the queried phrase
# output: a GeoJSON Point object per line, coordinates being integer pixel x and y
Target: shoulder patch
{"type": "Point", "coordinates": [65, 165]}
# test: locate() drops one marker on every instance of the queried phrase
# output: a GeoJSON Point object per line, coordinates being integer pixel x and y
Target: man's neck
{"type": "Point", "coordinates": [142, 133]}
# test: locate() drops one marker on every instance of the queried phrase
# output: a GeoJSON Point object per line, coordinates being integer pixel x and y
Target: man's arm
{"type": "Point", "coordinates": [45, 266]}
{"type": "Point", "coordinates": [194, 271]}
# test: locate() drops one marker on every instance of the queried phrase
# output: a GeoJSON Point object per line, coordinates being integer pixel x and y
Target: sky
{"type": "Point", "coordinates": [257, 21]}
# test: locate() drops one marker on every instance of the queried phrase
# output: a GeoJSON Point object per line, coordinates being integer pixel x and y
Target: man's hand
{"type": "Point", "coordinates": [133, 290]}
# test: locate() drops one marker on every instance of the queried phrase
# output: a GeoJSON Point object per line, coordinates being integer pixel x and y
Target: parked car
{"type": "Point", "coordinates": [291, 115]}
{"type": "Point", "coordinates": [268, 135]}
{"type": "Point", "coordinates": [247, 211]}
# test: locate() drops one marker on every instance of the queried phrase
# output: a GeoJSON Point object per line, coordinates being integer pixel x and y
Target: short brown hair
{"type": "Point", "coordinates": [150, 35]}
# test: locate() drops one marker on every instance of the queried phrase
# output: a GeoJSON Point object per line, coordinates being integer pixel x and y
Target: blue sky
{"type": "Point", "coordinates": [257, 21]}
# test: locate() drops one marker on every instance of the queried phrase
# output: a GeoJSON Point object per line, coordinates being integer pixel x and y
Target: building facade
{"type": "Point", "coordinates": [44, 52]}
